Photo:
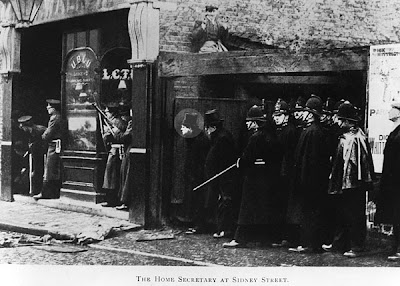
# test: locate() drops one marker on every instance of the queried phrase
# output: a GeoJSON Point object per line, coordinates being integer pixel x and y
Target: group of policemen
{"type": "Point", "coordinates": [44, 147]}
{"type": "Point", "coordinates": [303, 176]}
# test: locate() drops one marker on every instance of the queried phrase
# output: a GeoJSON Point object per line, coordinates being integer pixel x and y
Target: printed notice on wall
{"type": "Point", "coordinates": [384, 88]}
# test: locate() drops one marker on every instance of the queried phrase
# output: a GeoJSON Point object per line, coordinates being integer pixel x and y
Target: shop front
{"type": "Point", "coordinates": [86, 56]}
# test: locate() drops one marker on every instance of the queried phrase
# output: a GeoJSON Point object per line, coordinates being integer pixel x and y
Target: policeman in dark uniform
{"type": "Point", "coordinates": [36, 152]}
{"type": "Point", "coordinates": [112, 137]}
{"type": "Point", "coordinates": [287, 138]}
{"type": "Point", "coordinates": [52, 137]}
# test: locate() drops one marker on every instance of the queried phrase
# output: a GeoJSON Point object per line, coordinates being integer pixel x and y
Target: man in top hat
{"type": "Point", "coordinates": [36, 152]}
{"type": "Point", "coordinates": [388, 198]}
{"type": "Point", "coordinates": [221, 155]}
{"type": "Point", "coordinates": [311, 174]}
{"type": "Point", "coordinates": [113, 138]}
{"type": "Point", "coordinates": [209, 35]}
{"type": "Point", "coordinates": [195, 148]}
{"type": "Point", "coordinates": [260, 214]}
{"type": "Point", "coordinates": [352, 175]}
{"type": "Point", "coordinates": [52, 137]}
{"type": "Point", "coordinates": [287, 138]}
{"type": "Point", "coordinates": [189, 126]}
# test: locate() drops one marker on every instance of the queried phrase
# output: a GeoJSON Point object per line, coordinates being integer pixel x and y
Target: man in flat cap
{"type": "Point", "coordinates": [209, 35]}
{"type": "Point", "coordinates": [388, 198]}
{"type": "Point", "coordinates": [36, 152]}
{"type": "Point", "coordinates": [52, 137]}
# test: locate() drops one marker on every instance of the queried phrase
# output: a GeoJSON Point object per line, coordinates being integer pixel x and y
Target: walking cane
{"type": "Point", "coordinates": [214, 177]}
{"type": "Point", "coordinates": [30, 174]}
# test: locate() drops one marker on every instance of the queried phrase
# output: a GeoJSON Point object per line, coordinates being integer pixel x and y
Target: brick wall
{"type": "Point", "coordinates": [293, 24]}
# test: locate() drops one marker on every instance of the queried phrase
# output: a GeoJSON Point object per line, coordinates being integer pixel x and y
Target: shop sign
{"type": "Point", "coordinates": [64, 9]}
{"type": "Point", "coordinates": [384, 88]}
{"type": "Point", "coordinates": [118, 74]}
{"type": "Point", "coordinates": [81, 76]}
{"type": "Point", "coordinates": [116, 78]}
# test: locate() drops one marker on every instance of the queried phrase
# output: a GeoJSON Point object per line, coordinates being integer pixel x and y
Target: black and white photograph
{"type": "Point", "coordinates": [208, 142]}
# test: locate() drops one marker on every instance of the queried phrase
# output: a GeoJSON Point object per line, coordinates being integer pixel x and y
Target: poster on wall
{"type": "Point", "coordinates": [384, 88]}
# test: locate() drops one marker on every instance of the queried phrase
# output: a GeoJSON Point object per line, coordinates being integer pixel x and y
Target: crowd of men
{"type": "Point", "coordinates": [42, 174]}
{"type": "Point", "coordinates": [302, 175]}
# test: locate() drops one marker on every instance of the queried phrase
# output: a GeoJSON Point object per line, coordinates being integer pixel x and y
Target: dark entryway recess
{"type": "Point", "coordinates": [233, 82]}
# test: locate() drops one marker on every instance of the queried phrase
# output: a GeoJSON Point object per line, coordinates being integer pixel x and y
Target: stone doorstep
{"type": "Point", "coordinates": [75, 206]}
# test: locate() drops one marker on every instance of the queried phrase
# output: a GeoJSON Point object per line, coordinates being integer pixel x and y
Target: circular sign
{"type": "Point", "coordinates": [189, 123]}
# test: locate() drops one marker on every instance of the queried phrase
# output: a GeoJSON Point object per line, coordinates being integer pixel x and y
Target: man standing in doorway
{"type": "Point", "coordinates": [36, 151]}
{"type": "Point", "coordinates": [52, 137]}
{"type": "Point", "coordinates": [221, 155]}
{"type": "Point", "coordinates": [112, 136]}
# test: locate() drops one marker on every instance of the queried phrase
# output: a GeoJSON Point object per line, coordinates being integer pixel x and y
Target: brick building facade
{"type": "Point", "coordinates": [293, 25]}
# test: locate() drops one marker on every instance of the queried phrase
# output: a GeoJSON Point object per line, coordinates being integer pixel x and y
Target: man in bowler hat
{"type": "Point", "coordinates": [221, 155]}
{"type": "Point", "coordinates": [52, 136]}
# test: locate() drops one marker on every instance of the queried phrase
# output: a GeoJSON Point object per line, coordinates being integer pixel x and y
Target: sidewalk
{"type": "Point", "coordinates": [62, 219]}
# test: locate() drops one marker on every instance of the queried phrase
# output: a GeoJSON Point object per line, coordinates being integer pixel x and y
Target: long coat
{"type": "Point", "coordinates": [113, 166]}
{"type": "Point", "coordinates": [260, 163]}
{"type": "Point", "coordinates": [53, 131]}
{"type": "Point", "coordinates": [196, 150]}
{"type": "Point", "coordinates": [37, 150]}
{"type": "Point", "coordinates": [287, 138]}
{"type": "Point", "coordinates": [388, 199]}
{"type": "Point", "coordinates": [352, 164]}
{"type": "Point", "coordinates": [221, 155]}
{"type": "Point", "coordinates": [311, 172]}
{"type": "Point", "coordinates": [126, 176]}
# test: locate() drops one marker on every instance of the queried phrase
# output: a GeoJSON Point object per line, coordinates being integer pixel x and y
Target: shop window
{"type": "Point", "coordinates": [81, 92]}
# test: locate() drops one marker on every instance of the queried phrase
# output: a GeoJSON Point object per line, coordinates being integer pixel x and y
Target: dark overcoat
{"type": "Point", "coordinates": [260, 164]}
{"type": "Point", "coordinates": [311, 172]}
{"type": "Point", "coordinates": [221, 155]}
{"type": "Point", "coordinates": [54, 130]}
{"type": "Point", "coordinates": [37, 149]}
{"type": "Point", "coordinates": [388, 198]}
{"type": "Point", "coordinates": [196, 150]}
{"type": "Point", "coordinates": [287, 138]}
